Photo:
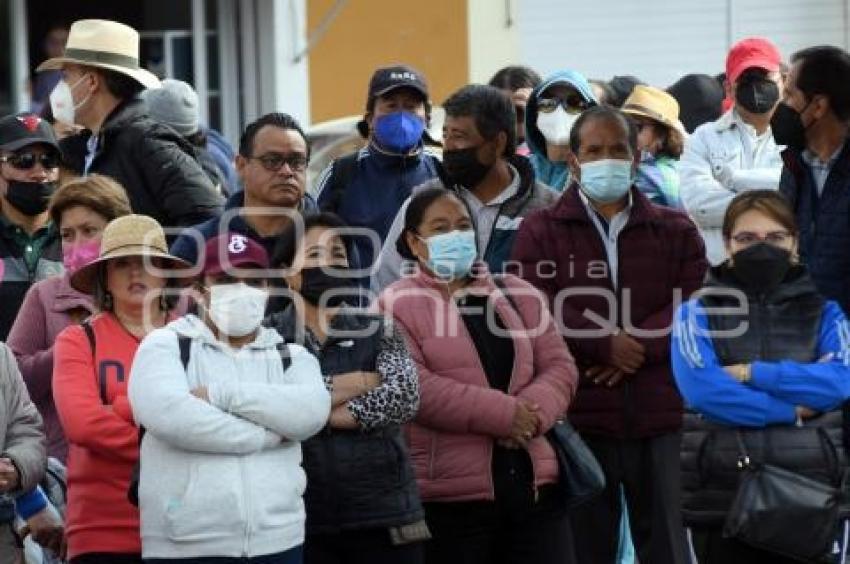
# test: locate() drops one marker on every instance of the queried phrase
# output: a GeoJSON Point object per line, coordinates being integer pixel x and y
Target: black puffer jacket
{"type": "Point", "coordinates": [355, 479]}
{"type": "Point", "coordinates": [782, 325]}
{"type": "Point", "coordinates": [157, 167]}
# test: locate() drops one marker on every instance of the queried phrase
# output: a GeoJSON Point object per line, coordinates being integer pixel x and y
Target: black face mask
{"type": "Point", "coordinates": [29, 198]}
{"type": "Point", "coordinates": [463, 166]}
{"type": "Point", "coordinates": [756, 94]}
{"type": "Point", "coordinates": [761, 267]}
{"type": "Point", "coordinates": [787, 127]}
{"type": "Point", "coordinates": [315, 281]}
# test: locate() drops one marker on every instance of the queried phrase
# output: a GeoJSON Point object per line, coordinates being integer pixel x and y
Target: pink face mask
{"type": "Point", "coordinates": [80, 254]}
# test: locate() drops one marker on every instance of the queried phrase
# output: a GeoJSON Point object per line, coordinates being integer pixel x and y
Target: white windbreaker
{"type": "Point", "coordinates": [721, 159]}
{"type": "Point", "coordinates": [223, 478]}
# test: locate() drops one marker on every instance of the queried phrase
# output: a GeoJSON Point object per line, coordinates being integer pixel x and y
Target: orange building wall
{"type": "Point", "coordinates": [430, 35]}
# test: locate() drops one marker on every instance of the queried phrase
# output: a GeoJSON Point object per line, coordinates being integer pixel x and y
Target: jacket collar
{"type": "Point", "coordinates": [523, 167]}
{"type": "Point", "coordinates": [391, 160]}
{"type": "Point", "coordinates": [570, 207]}
{"type": "Point", "coordinates": [480, 283]}
{"type": "Point", "coordinates": [793, 159]}
{"type": "Point", "coordinates": [123, 113]}
{"type": "Point", "coordinates": [726, 121]}
{"type": "Point", "coordinates": [66, 298]}
{"type": "Point", "coordinates": [797, 283]}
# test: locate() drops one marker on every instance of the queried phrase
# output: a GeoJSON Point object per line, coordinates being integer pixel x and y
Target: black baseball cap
{"type": "Point", "coordinates": [22, 130]}
{"type": "Point", "coordinates": [387, 79]}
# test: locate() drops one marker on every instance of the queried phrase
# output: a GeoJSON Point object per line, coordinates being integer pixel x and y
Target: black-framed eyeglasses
{"type": "Point", "coordinates": [26, 160]}
{"type": "Point", "coordinates": [747, 238]}
{"type": "Point", "coordinates": [273, 162]}
{"type": "Point", "coordinates": [572, 104]}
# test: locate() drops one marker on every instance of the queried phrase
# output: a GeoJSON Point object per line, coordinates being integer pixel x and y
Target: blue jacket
{"type": "Point", "coordinates": [823, 222]}
{"type": "Point", "coordinates": [776, 388]}
{"type": "Point", "coordinates": [372, 197]}
{"type": "Point", "coordinates": [554, 174]}
{"type": "Point", "coordinates": [186, 245]}
{"type": "Point", "coordinates": [223, 154]}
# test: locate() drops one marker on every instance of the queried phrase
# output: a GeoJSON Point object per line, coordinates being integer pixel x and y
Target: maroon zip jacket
{"type": "Point", "coordinates": [559, 250]}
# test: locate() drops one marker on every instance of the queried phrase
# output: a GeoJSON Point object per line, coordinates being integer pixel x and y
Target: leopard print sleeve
{"type": "Point", "coordinates": [396, 400]}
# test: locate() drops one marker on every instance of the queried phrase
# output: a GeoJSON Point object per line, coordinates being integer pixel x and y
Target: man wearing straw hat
{"type": "Point", "coordinates": [101, 79]}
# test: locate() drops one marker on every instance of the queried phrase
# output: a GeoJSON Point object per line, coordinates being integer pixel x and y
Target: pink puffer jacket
{"type": "Point", "coordinates": [460, 417]}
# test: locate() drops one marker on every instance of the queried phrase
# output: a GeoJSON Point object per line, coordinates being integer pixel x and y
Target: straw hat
{"type": "Point", "coordinates": [655, 104]}
{"type": "Point", "coordinates": [127, 236]}
{"type": "Point", "coordinates": [106, 45]}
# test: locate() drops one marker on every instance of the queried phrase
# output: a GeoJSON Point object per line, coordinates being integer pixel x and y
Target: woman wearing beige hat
{"type": "Point", "coordinates": [91, 373]}
{"type": "Point", "coordinates": [661, 139]}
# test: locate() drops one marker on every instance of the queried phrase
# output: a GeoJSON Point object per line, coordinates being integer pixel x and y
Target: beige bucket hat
{"type": "Point", "coordinates": [103, 44]}
{"type": "Point", "coordinates": [127, 236]}
{"type": "Point", "coordinates": [655, 104]}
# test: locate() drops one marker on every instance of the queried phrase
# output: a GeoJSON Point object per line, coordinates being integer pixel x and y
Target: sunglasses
{"type": "Point", "coordinates": [27, 160]}
{"type": "Point", "coordinates": [573, 104]}
{"type": "Point", "coordinates": [273, 162]}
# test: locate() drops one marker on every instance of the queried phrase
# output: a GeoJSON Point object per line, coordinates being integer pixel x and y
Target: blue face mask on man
{"type": "Point", "coordinates": [451, 255]}
{"type": "Point", "coordinates": [607, 180]}
{"type": "Point", "coordinates": [398, 132]}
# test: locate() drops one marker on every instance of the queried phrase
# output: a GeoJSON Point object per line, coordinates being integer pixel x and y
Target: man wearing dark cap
{"type": "Point", "coordinates": [737, 152]}
{"type": "Point", "coordinates": [29, 246]}
{"type": "Point", "coordinates": [367, 188]}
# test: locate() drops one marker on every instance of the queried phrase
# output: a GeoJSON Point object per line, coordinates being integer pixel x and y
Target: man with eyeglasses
{"type": "Point", "coordinates": [30, 248]}
{"type": "Point", "coordinates": [550, 113]}
{"type": "Point", "coordinates": [272, 164]}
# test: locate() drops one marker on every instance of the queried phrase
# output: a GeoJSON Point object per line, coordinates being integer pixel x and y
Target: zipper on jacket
{"type": "Point", "coordinates": [246, 494]}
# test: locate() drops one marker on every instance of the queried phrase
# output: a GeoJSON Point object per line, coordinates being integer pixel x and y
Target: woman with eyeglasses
{"type": "Point", "coordinates": [551, 111]}
{"type": "Point", "coordinates": [80, 209]}
{"type": "Point", "coordinates": [494, 376]}
{"type": "Point", "coordinates": [29, 244]}
{"type": "Point", "coordinates": [759, 350]}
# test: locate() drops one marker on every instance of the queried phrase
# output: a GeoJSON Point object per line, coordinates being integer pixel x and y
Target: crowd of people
{"type": "Point", "coordinates": [206, 360]}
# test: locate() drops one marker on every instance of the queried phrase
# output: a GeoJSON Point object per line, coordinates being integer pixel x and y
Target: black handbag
{"type": "Point", "coordinates": [580, 478]}
{"type": "Point", "coordinates": [781, 511]}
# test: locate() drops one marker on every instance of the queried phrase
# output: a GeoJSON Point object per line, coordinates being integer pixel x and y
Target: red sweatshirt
{"type": "Point", "coordinates": [103, 439]}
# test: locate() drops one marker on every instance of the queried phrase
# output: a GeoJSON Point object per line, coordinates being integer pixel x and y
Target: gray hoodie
{"type": "Point", "coordinates": [223, 478]}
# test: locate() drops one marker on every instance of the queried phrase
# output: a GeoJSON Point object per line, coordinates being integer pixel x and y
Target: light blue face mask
{"type": "Point", "coordinates": [606, 181]}
{"type": "Point", "coordinates": [451, 255]}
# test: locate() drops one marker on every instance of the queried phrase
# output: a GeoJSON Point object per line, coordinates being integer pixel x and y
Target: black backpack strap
{"type": "Point", "coordinates": [284, 355]}
{"type": "Point", "coordinates": [343, 171]}
{"type": "Point", "coordinates": [499, 281]}
{"type": "Point", "coordinates": [100, 377]}
{"type": "Point", "coordinates": [89, 330]}
{"type": "Point", "coordinates": [185, 344]}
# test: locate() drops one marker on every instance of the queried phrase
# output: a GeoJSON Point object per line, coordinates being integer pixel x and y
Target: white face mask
{"type": "Point", "coordinates": [62, 101]}
{"type": "Point", "coordinates": [555, 126]}
{"type": "Point", "coordinates": [237, 309]}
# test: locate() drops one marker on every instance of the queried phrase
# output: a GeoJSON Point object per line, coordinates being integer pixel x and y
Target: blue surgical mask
{"type": "Point", "coordinates": [399, 131]}
{"type": "Point", "coordinates": [451, 255]}
{"type": "Point", "coordinates": [607, 180]}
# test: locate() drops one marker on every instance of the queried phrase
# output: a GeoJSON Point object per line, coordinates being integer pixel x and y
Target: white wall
{"type": "Point", "coordinates": [493, 37]}
{"type": "Point", "coordinates": [661, 40]}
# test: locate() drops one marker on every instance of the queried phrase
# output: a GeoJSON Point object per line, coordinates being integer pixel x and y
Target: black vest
{"type": "Point", "coordinates": [781, 325]}
{"type": "Point", "coordinates": [355, 480]}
